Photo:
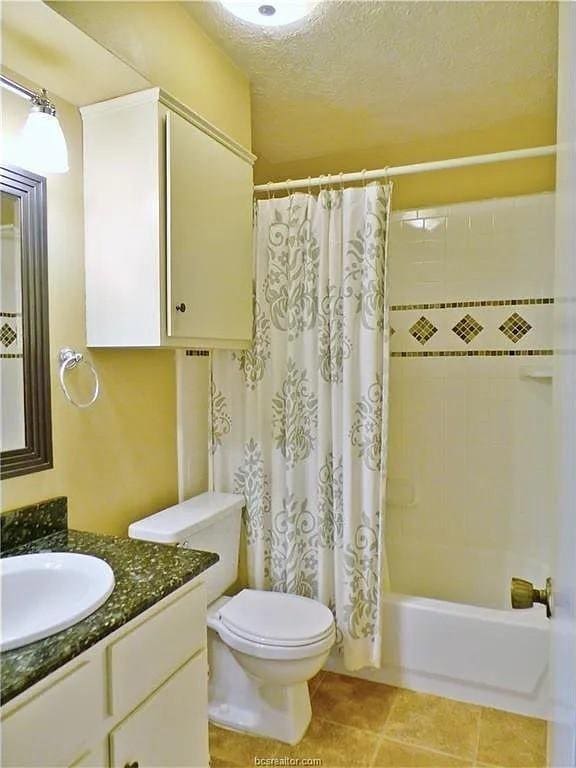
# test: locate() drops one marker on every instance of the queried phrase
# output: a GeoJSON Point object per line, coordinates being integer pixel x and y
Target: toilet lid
{"type": "Point", "coordinates": [273, 618]}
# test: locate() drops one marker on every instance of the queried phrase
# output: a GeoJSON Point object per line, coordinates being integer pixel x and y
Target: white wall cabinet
{"type": "Point", "coordinates": [92, 714]}
{"type": "Point", "coordinates": [168, 227]}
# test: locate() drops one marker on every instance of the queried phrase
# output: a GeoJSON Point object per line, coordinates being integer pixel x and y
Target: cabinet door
{"type": "Point", "coordinates": [97, 757]}
{"type": "Point", "coordinates": [57, 725]}
{"type": "Point", "coordinates": [209, 237]}
{"type": "Point", "coordinates": [170, 729]}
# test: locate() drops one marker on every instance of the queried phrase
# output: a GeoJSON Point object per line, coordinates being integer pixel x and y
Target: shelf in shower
{"type": "Point", "coordinates": [542, 372]}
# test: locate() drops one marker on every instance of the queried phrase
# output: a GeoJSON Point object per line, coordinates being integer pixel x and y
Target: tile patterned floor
{"type": "Point", "coordinates": [360, 723]}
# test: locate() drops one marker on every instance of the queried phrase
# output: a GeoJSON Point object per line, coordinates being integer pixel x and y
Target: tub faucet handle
{"type": "Point", "coordinates": [524, 594]}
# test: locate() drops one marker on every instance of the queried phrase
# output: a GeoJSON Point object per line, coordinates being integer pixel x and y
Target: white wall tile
{"type": "Point", "coordinates": [469, 435]}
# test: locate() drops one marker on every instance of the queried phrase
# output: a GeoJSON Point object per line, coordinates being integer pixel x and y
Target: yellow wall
{"type": "Point", "coordinates": [117, 461]}
{"type": "Point", "coordinates": [444, 187]}
{"type": "Point", "coordinates": [162, 42]}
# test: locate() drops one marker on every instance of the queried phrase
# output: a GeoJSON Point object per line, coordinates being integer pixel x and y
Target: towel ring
{"type": "Point", "coordinates": [69, 359]}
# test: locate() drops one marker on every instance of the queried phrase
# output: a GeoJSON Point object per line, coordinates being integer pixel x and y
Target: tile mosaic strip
{"type": "Point", "coordinates": [423, 330]}
{"type": "Point", "coordinates": [10, 314]}
{"type": "Point", "coordinates": [467, 329]}
{"type": "Point", "coordinates": [7, 335]}
{"type": "Point", "coordinates": [197, 353]}
{"type": "Point", "coordinates": [26, 524]}
{"type": "Point", "coordinates": [515, 327]}
{"type": "Point", "coordinates": [476, 353]}
{"type": "Point", "coordinates": [10, 356]}
{"type": "Point", "coordinates": [475, 303]}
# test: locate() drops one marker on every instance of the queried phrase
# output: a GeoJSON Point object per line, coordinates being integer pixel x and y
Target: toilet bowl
{"type": "Point", "coordinates": [274, 643]}
{"type": "Point", "coordinates": [263, 647]}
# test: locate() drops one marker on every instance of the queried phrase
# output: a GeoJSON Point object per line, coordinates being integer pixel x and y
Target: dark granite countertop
{"type": "Point", "coordinates": [144, 573]}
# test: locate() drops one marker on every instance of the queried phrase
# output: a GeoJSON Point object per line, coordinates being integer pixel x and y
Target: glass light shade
{"type": "Point", "coordinates": [270, 13]}
{"type": "Point", "coordinates": [41, 146]}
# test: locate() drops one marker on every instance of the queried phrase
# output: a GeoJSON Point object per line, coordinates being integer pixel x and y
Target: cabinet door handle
{"type": "Point", "coordinates": [181, 307]}
{"type": "Point", "coordinates": [134, 764]}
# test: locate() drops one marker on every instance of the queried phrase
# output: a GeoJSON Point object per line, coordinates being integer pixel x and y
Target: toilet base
{"type": "Point", "coordinates": [240, 702]}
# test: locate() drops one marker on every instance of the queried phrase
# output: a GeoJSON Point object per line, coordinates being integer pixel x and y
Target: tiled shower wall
{"type": "Point", "coordinates": [470, 445]}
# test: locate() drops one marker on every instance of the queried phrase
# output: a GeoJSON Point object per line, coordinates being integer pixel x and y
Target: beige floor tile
{"type": "Point", "coordinates": [434, 723]}
{"type": "Point", "coordinates": [238, 749]}
{"type": "Point", "coordinates": [392, 754]}
{"type": "Point", "coordinates": [315, 682]}
{"type": "Point", "coordinates": [215, 762]}
{"type": "Point", "coordinates": [335, 745]}
{"type": "Point", "coordinates": [351, 701]}
{"type": "Point", "coordinates": [511, 740]}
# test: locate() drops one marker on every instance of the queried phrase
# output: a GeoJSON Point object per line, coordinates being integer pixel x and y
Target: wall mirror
{"type": "Point", "coordinates": [26, 428]}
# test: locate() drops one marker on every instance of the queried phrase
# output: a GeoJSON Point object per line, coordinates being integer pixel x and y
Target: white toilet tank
{"type": "Point", "coordinates": [210, 522]}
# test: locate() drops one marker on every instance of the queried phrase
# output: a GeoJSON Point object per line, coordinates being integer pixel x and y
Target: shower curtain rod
{"type": "Point", "coordinates": [405, 170]}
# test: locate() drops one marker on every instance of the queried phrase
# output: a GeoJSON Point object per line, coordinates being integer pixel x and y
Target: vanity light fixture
{"type": "Point", "coordinates": [274, 13]}
{"type": "Point", "coordinates": [41, 146]}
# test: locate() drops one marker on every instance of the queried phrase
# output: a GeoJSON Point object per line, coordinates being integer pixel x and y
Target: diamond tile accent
{"type": "Point", "coordinates": [467, 328]}
{"type": "Point", "coordinates": [423, 330]}
{"type": "Point", "coordinates": [7, 335]}
{"type": "Point", "coordinates": [515, 327]}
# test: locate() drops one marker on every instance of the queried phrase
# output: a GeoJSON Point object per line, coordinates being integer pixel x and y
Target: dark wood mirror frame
{"type": "Point", "coordinates": [36, 456]}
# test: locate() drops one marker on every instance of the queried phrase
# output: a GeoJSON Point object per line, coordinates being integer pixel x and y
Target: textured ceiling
{"type": "Point", "coordinates": [371, 74]}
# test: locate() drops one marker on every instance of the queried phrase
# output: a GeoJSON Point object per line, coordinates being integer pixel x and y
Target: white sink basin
{"type": "Point", "coordinates": [45, 593]}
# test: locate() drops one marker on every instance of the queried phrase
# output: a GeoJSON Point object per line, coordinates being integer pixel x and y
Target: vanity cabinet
{"type": "Point", "coordinates": [168, 227]}
{"type": "Point", "coordinates": [95, 712]}
{"type": "Point", "coordinates": [168, 727]}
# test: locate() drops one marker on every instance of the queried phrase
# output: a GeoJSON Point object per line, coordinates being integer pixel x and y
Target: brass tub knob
{"type": "Point", "coordinates": [524, 595]}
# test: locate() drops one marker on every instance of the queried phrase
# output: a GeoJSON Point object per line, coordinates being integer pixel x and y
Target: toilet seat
{"type": "Point", "coordinates": [273, 625]}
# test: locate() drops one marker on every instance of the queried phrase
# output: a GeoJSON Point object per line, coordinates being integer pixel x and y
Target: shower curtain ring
{"type": "Point", "coordinates": [269, 191]}
{"type": "Point", "coordinates": [341, 181]}
{"type": "Point", "coordinates": [309, 185]}
{"type": "Point", "coordinates": [363, 177]}
{"type": "Point", "coordinates": [389, 179]}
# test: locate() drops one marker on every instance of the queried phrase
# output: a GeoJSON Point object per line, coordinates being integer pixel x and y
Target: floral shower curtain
{"type": "Point", "coordinates": [299, 421]}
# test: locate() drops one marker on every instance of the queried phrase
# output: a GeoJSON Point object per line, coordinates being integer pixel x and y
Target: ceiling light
{"type": "Point", "coordinates": [275, 13]}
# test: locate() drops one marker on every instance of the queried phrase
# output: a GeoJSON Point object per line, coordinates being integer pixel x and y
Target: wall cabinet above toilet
{"type": "Point", "coordinates": [168, 225]}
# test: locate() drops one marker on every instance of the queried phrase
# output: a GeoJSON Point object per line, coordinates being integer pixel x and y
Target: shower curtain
{"type": "Point", "coordinates": [299, 421]}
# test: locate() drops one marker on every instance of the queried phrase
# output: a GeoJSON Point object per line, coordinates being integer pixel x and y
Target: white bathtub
{"type": "Point", "coordinates": [496, 658]}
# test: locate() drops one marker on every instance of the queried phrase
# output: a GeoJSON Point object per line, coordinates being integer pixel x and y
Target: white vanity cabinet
{"type": "Point", "coordinates": [137, 698]}
{"type": "Point", "coordinates": [168, 227]}
{"type": "Point", "coordinates": [168, 727]}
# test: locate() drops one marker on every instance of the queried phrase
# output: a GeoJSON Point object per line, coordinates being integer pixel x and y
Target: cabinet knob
{"type": "Point", "coordinates": [181, 307]}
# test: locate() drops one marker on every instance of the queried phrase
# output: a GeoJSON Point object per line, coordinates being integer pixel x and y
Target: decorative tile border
{"type": "Point", "coordinates": [10, 314]}
{"type": "Point", "coordinates": [10, 356]}
{"type": "Point", "coordinates": [501, 326]}
{"type": "Point", "coordinates": [476, 353]}
{"type": "Point", "coordinates": [197, 353]}
{"type": "Point", "coordinates": [473, 303]}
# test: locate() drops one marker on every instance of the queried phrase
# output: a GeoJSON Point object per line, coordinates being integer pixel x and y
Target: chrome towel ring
{"type": "Point", "coordinates": [68, 359]}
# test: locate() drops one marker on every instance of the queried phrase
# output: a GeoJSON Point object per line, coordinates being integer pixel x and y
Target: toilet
{"type": "Point", "coordinates": [263, 647]}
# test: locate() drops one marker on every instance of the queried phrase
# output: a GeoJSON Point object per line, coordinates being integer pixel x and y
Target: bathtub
{"type": "Point", "coordinates": [496, 658]}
